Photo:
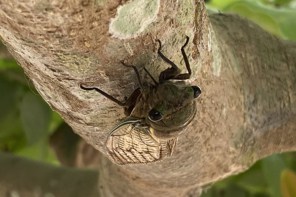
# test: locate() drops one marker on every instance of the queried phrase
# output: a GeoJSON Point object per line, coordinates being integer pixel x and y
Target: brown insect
{"type": "Point", "coordinates": [156, 114]}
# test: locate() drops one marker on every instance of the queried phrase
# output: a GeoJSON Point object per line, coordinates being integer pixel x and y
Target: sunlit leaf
{"type": "Point", "coordinates": [221, 4]}
{"type": "Point", "coordinates": [288, 183]}
{"type": "Point", "coordinates": [261, 15]}
{"type": "Point", "coordinates": [39, 151]}
{"type": "Point", "coordinates": [8, 63]}
{"type": "Point", "coordinates": [280, 22]}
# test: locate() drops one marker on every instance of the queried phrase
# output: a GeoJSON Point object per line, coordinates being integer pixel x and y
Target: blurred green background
{"type": "Point", "coordinates": [27, 124]}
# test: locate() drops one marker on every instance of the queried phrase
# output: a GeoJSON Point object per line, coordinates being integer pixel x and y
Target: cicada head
{"type": "Point", "coordinates": [169, 108]}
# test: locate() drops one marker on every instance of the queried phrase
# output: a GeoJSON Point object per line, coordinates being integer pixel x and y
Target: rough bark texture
{"type": "Point", "coordinates": [247, 76]}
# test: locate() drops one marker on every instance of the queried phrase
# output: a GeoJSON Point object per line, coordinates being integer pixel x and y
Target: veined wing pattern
{"type": "Point", "coordinates": [131, 143]}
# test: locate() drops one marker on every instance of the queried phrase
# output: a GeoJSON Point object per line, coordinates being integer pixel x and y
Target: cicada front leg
{"type": "Point", "coordinates": [120, 103]}
{"type": "Point", "coordinates": [174, 72]}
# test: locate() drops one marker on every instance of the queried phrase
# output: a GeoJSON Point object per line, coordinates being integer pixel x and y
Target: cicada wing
{"type": "Point", "coordinates": [131, 143]}
{"type": "Point", "coordinates": [168, 146]}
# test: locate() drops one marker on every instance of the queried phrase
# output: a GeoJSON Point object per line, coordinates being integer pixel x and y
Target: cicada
{"type": "Point", "coordinates": [156, 114]}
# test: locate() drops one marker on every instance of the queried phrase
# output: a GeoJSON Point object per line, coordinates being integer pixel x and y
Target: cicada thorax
{"type": "Point", "coordinates": [172, 101]}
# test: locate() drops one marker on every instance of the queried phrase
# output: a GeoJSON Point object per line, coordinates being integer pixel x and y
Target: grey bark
{"type": "Point", "coordinates": [247, 76]}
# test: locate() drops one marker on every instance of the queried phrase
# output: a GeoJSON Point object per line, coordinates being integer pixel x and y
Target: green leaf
{"type": "Point", "coordinates": [11, 93]}
{"type": "Point", "coordinates": [253, 180]}
{"type": "Point", "coordinates": [39, 151]}
{"type": "Point", "coordinates": [8, 63]}
{"type": "Point", "coordinates": [221, 4]}
{"type": "Point", "coordinates": [288, 183]}
{"type": "Point", "coordinates": [55, 122]}
{"type": "Point", "coordinates": [263, 16]}
{"type": "Point", "coordinates": [35, 116]}
{"type": "Point", "coordinates": [280, 22]}
{"type": "Point", "coordinates": [11, 133]}
{"type": "Point", "coordinates": [237, 192]}
{"type": "Point", "coordinates": [272, 167]}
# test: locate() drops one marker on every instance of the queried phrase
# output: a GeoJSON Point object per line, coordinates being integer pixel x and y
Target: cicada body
{"type": "Point", "coordinates": [156, 115]}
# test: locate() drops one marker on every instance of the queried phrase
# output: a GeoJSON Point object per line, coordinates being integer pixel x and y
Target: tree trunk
{"type": "Point", "coordinates": [247, 76]}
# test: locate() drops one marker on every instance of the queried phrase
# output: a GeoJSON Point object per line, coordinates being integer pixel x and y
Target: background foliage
{"type": "Point", "coordinates": [27, 123]}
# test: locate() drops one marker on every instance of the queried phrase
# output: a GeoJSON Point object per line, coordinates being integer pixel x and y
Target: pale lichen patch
{"type": "Point", "coordinates": [132, 18]}
{"type": "Point", "coordinates": [216, 64]}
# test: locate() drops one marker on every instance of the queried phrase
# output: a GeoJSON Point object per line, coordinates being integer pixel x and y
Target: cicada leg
{"type": "Point", "coordinates": [123, 104]}
{"type": "Point", "coordinates": [168, 73]}
{"type": "Point", "coordinates": [173, 71]}
{"type": "Point", "coordinates": [128, 104]}
{"type": "Point", "coordinates": [136, 71]}
{"type": "Point", "coordinates": [151, 77]}
{"type": "Point", "coordinates": [184, 76]}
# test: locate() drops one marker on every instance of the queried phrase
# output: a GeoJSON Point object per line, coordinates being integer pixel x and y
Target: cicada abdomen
{"type": "Point", "coordinates": [156, 115]}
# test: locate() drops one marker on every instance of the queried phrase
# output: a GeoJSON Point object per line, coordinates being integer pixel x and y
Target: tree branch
{"type": "Point", "coordinates": [22, 177]}
{"type": "Point", "coordinates": [246, 75]}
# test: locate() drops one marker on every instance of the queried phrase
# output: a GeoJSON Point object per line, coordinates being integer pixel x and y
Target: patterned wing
{"type": "Point", "coordinates": [132, 143]}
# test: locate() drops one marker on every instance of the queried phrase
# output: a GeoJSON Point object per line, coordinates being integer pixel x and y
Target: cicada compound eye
{"type": "Point", "coordinates": [196, 91]}
{"type": "Point", "coordinates": [154, 115]}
